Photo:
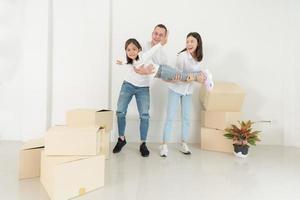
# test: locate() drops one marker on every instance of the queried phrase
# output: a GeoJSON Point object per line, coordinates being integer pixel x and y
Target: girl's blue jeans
{"type": "Point", "coordinates": [143, 104]}
{"type": "Point", "coordinates": [174, 100]}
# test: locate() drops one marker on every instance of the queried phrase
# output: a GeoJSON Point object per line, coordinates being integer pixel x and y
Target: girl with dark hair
{"type": "Point", "coordinates": [180, 93]}
{"type": "Point", "coordinates": [135, 85]}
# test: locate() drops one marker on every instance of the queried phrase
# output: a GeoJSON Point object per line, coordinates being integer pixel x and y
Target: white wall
{"type": "Point", "coordinates": [252, 43]}
{"type": "Point", "coordinates": [80, 56]}
{"type": "Point", "coordinates": [35, 63]}
{"type": "Point", "coordinates": [10, 78]}
{"type": "Point", "coordinates": [23, 26]}
{"type": "Point", "coordinates": [291, 81]}
{"type": "Point", "coordinates": [39, 82]}
{"type": "Point", "coordinates": [247, 42]}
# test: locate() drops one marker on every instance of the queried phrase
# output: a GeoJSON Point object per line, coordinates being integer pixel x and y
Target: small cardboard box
{"type": "Point", "coordinates": [214, 140]}
{"type": "Point", "coordinates": [219, 120]}
{"type": "Point", "coordinates": [63, 140]}
{"type": "Point", "coordinates": [90, 118]}
{"type": "Point", "coordinates": [65, 177]}
{"type": "Point", "coordinates": [225, 96]}
{"type": "Point", "coordinates": [30, 158]}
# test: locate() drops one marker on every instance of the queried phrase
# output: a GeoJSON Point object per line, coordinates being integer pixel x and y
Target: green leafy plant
{"type": "Point", "coordinates": [242, 135]}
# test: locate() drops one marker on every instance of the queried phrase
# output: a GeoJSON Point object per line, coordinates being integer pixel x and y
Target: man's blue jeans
{"type": "Point", "coordinates": [168, 73]}
{"type": "Point", "coordinates": [143, 104]}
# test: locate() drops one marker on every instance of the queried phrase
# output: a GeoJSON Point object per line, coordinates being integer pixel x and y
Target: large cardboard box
{"type": "Point", "coordinates": [65, 177]}
{"type": "Point", "coordinates": [225, 96]}
{"type": "Point", "coordinates": [218, 119]}
{"type": "Point", "coordinates": [105, 143]}
{"type": "Point", "coordinates": [214, 140]}
{"type": "Point", "coordinates": [30, 158]}
{"type": "Point", "coordinates": [90, 118]}
{"type": "Point", "coordinates": [63, 140]}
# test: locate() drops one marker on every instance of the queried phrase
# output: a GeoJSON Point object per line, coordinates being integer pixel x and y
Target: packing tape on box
{"type": "Point", "coordinates": [81, 191]}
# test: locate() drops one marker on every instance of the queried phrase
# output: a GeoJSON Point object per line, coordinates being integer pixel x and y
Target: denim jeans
{"type": "Point", "coordinates": [168, 73]}
{"type": "Point", "coordinates": [143, 104]}
{"type": "Point", "coordinates": [174, 99]}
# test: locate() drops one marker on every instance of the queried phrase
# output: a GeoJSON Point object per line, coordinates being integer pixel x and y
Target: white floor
{"type": "Point", "coordinates": [270, 172]}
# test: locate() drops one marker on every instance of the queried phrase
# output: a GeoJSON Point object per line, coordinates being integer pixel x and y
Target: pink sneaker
{"type": "Point", "coordinates": [209, 84]}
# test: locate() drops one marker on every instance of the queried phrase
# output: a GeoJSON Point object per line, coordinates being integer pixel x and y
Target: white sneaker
{"type": "Point", "coordinates": [240, 155]}
{"type": "Point", "coordinates": [185, 149]}
{"type": "Point", "coordinates": [163, 150]}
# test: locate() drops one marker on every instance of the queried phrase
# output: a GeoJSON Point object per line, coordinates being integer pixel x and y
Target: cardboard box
{"type": "Point", "coordinates": [65, 177]}
{"type": "Point", "coordinates": [63, 140]}
{"type": "Point", "coordinates": [30, 159]}
{"type": "Point", "coordinates": [105, 143]}
{"type": "Point", "coordinates": [225, 96]}
{"type": "Point", "coordinates": [90, 118]}
{"type": "Point", "coordinates": [219, 120]}
{"type": "Point", "coordinates": [214, 140]}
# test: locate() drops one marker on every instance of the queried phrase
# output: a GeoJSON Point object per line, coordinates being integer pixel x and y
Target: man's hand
{"type": "Point", "coordinates": [144, 70]}
{"type": "Point", "coordinates": [164, 40]}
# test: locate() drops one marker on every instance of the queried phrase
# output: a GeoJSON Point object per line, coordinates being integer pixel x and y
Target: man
{"type": "Point", "coordinates": [160, 32]}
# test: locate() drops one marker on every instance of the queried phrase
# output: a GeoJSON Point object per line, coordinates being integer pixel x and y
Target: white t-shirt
{"type": "Point", "coordinates": [185, 63]}
{"type": "Point", "coordinates": [145, 58]}
{"type": "Point", "coordinates": [159, 57]}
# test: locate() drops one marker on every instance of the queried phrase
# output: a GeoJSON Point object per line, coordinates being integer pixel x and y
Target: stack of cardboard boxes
{"type": "Point", "coordinates": [72, 159]}
{"type": "Point", "coordinates": [222, 107]}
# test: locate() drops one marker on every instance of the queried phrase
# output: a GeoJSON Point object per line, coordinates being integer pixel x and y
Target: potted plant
{"type": "Point", "coordinates": [242, 137]}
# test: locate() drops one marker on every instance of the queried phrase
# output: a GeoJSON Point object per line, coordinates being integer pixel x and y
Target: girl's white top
{"type": "Point", "coordinates": [185, 63]}
{"type": "Point", "coordinates": [145, 58]}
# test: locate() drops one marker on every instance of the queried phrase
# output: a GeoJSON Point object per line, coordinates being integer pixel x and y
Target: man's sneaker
{"type": "Point", "coordinates": [120, 144]}
{"type": "Point", "coordinates": [163, 150]}
{"type": "Point", "coordinates": [144, 150]}
{"type": "Point", "coordinates": [184, 149]}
